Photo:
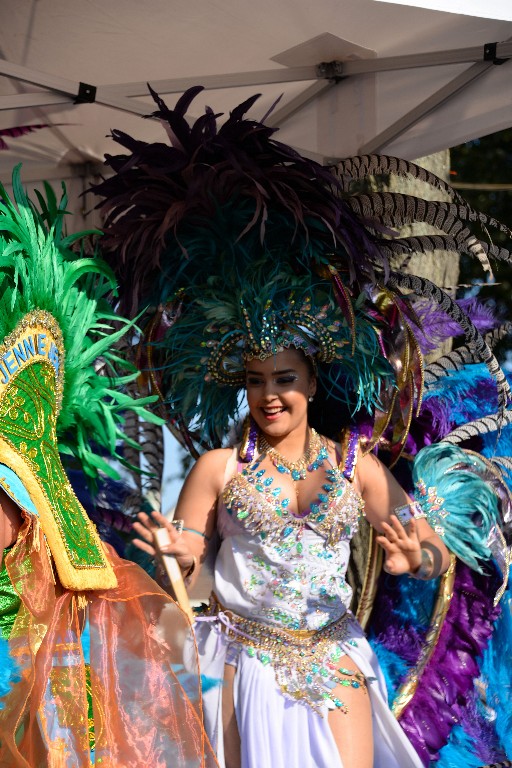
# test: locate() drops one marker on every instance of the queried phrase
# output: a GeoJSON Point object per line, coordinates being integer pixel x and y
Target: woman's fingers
{"type": "Point", "coordinates": [391, 533]}
{"type": "Point", "coordinates": [160, 521]}
{"type": "Point", "coordinates": [404, 537]}
{"type": "Point", "coordinates": [169, 544]}
{"type": "Point", "coordinates": [388, 546]}
{"type": "Point", "coordinates": [398, 528]}
{"type": "Point", "coordinates": [412, 531]}
{"type": "Point", "coordinates": [147, 525]}
{"type": "Point", "coordinates": [143, 531]}
{"type": "Point", "coordinates": [144, 547]}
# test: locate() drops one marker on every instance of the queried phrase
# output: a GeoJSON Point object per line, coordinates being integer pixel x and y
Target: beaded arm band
{"type": "Point", "coordinates": [406, 512]}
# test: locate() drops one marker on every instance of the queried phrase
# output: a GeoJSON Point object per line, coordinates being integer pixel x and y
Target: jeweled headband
{"type": "Point", "coordinates": [316, 331]}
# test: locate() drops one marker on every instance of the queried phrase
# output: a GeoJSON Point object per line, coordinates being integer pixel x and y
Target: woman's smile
{"type": "Point", "coordinates": [272, 412]}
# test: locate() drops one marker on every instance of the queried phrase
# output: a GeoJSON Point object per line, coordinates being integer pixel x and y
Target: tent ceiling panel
{"type": "Point", "coordinates": [49, 47]}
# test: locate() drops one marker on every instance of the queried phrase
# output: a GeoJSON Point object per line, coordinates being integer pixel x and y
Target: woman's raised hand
{"type": "Point", "coordinates": [146, 527]}
{"type": "Point", "coordinates": [401, 545]}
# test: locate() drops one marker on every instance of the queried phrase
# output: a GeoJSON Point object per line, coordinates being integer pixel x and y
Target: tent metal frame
{"type": "Point", "coordinates": [123, 96]}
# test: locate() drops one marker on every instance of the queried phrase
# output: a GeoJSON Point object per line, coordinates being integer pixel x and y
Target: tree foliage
{"type": "Point", "coordinates": [483, 162]}
{"type": "Point", "coordinates": [486, 165]}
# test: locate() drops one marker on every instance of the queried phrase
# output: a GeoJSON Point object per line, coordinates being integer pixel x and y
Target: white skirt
{"type": "Point", "coordinates": [279, 732]}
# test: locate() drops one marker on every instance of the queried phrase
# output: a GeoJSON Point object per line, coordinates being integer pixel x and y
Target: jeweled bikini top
{"type": "Point", "coordinates": [256, 501]}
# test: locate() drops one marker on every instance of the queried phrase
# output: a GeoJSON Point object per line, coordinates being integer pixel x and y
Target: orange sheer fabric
{"type": "Point", "coordinates": [138, 712]}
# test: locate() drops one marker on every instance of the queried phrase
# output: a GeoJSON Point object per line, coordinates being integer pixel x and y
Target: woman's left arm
{"type": "Point", "coordinates": [414, 548]}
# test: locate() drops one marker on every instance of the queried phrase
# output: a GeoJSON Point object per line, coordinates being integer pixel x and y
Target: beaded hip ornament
{"type": "Point", "coordinates": [307, 664]}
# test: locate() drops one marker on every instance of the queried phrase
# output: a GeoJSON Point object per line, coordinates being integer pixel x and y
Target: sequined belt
{"type": "Point", "coordinates": [251, 632]}
{"type": "Point", "coordinates": [306, 662]}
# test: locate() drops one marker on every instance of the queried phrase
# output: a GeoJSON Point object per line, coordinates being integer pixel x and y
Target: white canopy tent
{"type": "Point", "coordinates": [399, 79]}
{"type": "Point", "coordinates": [355, 76]}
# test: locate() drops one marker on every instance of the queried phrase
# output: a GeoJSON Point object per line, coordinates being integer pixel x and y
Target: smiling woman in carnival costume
{"type": "Point", "coordinates": [270, 279]}
{"type": "Point", "coordinates": [82, 647]}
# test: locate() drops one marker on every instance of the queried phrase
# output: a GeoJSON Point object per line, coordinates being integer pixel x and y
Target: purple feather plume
{"type": "Point", "coordinates": [435, 326]}
{"type": "Point", "coordinates": [447, 681]}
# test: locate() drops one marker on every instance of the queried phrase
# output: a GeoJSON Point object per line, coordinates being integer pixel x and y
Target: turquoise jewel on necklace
{"type": "Point", "coordinates": [296, 469]}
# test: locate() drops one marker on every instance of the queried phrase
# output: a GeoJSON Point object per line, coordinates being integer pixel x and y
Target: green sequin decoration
{"type": "Point", "coordinates": [28, 423]}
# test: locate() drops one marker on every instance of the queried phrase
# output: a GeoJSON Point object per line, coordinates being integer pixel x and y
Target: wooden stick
{"type": "Point", "coordinates": [161, 538]}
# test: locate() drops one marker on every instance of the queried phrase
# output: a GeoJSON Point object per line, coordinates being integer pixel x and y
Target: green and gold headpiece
{"type": "Point", "coordinates": [55, 323]}
{"type": "Point", "coordinates": [316, 330]}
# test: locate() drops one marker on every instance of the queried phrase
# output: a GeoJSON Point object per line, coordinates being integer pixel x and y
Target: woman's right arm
{"type": "Point", "coordinates": [197, 505]}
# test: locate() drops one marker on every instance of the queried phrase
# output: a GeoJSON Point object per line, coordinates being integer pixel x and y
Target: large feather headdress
{"type": "Point", "coordinates": [189, 224]}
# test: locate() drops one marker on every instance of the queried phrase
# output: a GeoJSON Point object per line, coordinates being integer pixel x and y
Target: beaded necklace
{"type": "Point", "coordinates": [255, 499]}
{"type": "Point", "coordinates": [297, 469]}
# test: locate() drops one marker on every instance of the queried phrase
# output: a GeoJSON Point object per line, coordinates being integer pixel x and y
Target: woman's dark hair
{"type": "Point", "coordinates": [327, 414]}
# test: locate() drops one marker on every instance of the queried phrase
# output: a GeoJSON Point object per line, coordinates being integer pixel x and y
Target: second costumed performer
{"type": "Point", "coordinates": [269, 284]}
{"type": "Point", "coordinates": [88, 672]}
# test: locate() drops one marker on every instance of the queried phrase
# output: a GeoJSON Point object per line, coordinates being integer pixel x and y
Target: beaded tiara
{"type": "Point", "coordinates": [316, 331]}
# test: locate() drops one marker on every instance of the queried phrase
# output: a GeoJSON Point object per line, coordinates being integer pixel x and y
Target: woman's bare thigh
{"type": "Point", "coordinates": [352, 729]}
{"type": "Point", "coordinates": [230, 727]}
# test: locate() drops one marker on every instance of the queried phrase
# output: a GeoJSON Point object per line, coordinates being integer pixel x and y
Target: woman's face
{"type": "Point", "coordinates": [278, 389]}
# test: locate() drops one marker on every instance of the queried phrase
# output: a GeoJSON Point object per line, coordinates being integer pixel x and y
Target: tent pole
{"type": "Point", "coordinates": [337, 69]}
{"type": "Point", "coordinates": [449, 90]}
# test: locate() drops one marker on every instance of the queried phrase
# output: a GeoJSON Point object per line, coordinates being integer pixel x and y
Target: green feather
{"type": "Point", "coordinates": [38, 270]}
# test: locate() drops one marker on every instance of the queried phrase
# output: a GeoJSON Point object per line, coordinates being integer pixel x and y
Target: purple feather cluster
{"type": "Point", "coordinates": [446, 685]}
{"type": "Point", "coordinates": [435, 326]}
